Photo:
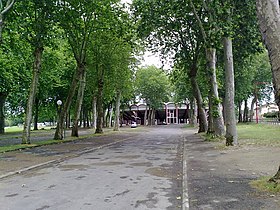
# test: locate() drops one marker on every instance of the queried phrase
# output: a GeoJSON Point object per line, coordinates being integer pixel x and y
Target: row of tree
{"type": "Point", "coordinates": [79, 52]}
{"type": "Point", "coordinates": [197, 32]}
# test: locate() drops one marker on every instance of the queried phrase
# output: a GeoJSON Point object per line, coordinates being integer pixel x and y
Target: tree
{"type": "Point", "coordinates": [78, 19]}
{"type": "Point", "coordinates": [38, 21]}
{"type": "Point", "coordinates": [4, 8]}
{"type": "Point", "coordinates": [169, 27]}
{"type": "Point", "coordinates": [268, 12]}
{"type": "Point", "coordinates": [210, 35]}
{"type": "Point", "coordinates": [3, 95]}
{"type": "Point", "coordinates": [152, 85]}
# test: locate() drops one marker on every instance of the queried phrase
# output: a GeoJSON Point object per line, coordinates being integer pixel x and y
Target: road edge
{"type": "Point", "coordinates": [61, 159]}
{"type": "Point", "coordinates": [185, 195]}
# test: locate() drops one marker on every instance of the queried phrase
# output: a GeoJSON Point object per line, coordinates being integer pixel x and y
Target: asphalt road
{"type": "Point", "coordinates": [144, 172]}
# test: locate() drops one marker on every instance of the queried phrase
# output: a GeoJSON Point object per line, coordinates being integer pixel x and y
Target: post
{"type": "Point", "coordinates": [59, 103]}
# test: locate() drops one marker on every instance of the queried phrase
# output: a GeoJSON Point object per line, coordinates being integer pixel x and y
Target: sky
{"type": "Point", "coordinates": [150, 58]}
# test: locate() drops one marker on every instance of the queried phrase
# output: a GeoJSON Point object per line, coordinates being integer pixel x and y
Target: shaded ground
{"type": "Point", "coordinates": [219, 178]}
{"type": "Point", "coordinates": [136, 170]}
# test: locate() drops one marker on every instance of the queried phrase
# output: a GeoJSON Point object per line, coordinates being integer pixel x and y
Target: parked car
{"type": "Point", "coordinates": [133, 125]}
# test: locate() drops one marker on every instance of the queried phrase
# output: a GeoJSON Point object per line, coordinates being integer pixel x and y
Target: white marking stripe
{"type": "Point", "coordinates": [185, 197]}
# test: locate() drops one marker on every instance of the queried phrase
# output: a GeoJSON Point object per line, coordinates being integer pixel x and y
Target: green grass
{"type": "Point", "coordinates": [13, 129]}
{"type": "Point", "coordinates": [37, 144]}
{"type": "Point", "coordinates": [259, 134]}
{"type": "Point", "coordinates": [262, 184]}
{"type": "Point", "coordinates": [16, 129]}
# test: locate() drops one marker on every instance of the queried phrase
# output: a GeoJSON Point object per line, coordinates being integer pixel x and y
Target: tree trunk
{"type": "Point", "coordinates": [94, 112]}
{"type": "Point", "coordinates": [110, 117]}
{"type": "Point", "coordinates": [32, 94]}
{"type": "Point", "coordinates": [218, 121]}
{"type": "Point", "coordinates": [68, 120]}
{"type": "Point", "coordinates": [99, 104]}
{"type": "Point", "coordinates": [197, 94]}
{"type": "Point", "coordinates": [230, 119]}
{"type": "Point", "coordinates": [268, 13]}
{"type": "Point", "coordinates": [276, 177]}
{"type": "Point", "coordinates": [117, 112]}
{"type": "Point", "coordinates": [193, 117]}
{"type": "Point", "coordinates": [203, 126]}
{"type": "Point", "coordinates": [3, 97]}
{"type": "Point", "coordinates": [245, 113]}
{"type": "Point", "coordinates": [106, 117]}
{"type": "Point", "coordinates": [153, 116]}
{"type": "Point", "coordinates": [239, 112]}
{"type": "Point", "coordinates": [252, 109]}
{"type": "Point", "coordinates": [80, 97]}
{"type": "Point", "coordinates": [210, 129]}
{"type": "Point", "coordinates": [145, 116]}
{"type": "Point", "coordinates": [87, 116]}
{"type": "Point", "coordinates": [150, 117]}
{"type": "Point", "coordinates": [66, 107]}
{"type": "Point", "coordinates": [36, 114]}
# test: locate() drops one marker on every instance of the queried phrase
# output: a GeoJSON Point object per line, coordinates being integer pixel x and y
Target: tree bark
{"type": "Point", "coordinates": [210, 129]}
{"type": "Point", "coordinates": [276, 177]}
{"type": "Point", "coordinates": [239, 112]}
{"type": "Point", "coordinates": [36, 113]}
{"type": "Point", "coordinates": [99, 104]}
{"type": "Point", "coordinates": [193, 111]}
{"type": "Point", "coordinates": [150, 117]}
{"type": "Point", "coordinates": [80, 97]}
{"type": "Point", "coordinates": [94, 112]}
{"type": "Point", "coordinates": [110, 117]}
{"type": "Point", "coordinates": [252, 109]}
{"type": "Point", "coordinates": [145, 116]}
{"type": "Point", "coordinates": [117, 111]}
{"type": "Point", "coordinates": [218, 121]}
{"type": "Point", "coordinates": [245, 113]}
{"type": "Point", "coordinates": [3, 97]}
{"type": "Point", "coordinates": [268, 13]}
{"type": "Point", "coordinates": [32, 94]}
{"type": "Point", "coordinates": [66, 107]}
{"type": "Point", "coordinates": [153, 116]}
{"type": "Point", "coordinates": [203, 126]}
{"type": "Point", "coordinates": [230, 119]}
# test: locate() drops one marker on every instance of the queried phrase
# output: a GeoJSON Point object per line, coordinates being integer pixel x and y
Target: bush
{"type": "Point", "coordinates": [271, 114]}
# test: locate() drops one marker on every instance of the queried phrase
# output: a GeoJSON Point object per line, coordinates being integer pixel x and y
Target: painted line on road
{"type": "Point", "coordinates": [185, 197]}
{"type": "Point", "coordinates": [61, 159]}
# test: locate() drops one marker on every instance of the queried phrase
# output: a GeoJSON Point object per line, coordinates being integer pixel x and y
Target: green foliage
{"type": "Point", "coordinates": [152, 85]}
{"type": "Point", "coordinates": [253, 76]}
{"type": "Point", "coordinates": [271, 114]}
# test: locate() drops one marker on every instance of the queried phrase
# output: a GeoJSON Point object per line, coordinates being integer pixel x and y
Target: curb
{"type": "Point", "coordinates": [61, 159]}
{"type": "Point", "coordinates": [185, 195]}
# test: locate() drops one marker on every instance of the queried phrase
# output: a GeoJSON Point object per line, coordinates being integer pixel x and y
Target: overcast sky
{"type": "Point", "coordinates": [149, 58]}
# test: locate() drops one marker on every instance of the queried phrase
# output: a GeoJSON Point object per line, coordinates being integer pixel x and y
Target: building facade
{"type": "Point", "coordinates": [169, 113]}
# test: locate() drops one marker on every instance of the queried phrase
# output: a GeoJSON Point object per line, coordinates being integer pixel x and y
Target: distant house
{"type": "Point", "coordinates": [169, 113]}
{"type": "Point", "coordinates": [266, 108]}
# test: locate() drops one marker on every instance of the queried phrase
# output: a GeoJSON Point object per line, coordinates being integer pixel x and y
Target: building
{"type": "Point", "coordinates": [263, 109]}
{"type": "Point", "coordinates": [170, 113]}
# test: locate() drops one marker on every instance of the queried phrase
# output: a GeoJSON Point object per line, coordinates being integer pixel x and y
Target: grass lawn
{"type": "Point", "coordinates": [259, 134]}
{"type": "Point", "coordinates": [16, 129]}
{"type": "Point", "coordinates": [13, 129]}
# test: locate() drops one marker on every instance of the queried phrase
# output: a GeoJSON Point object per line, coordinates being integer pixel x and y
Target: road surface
{"type": "Point", "coordinates": [144, 172]}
